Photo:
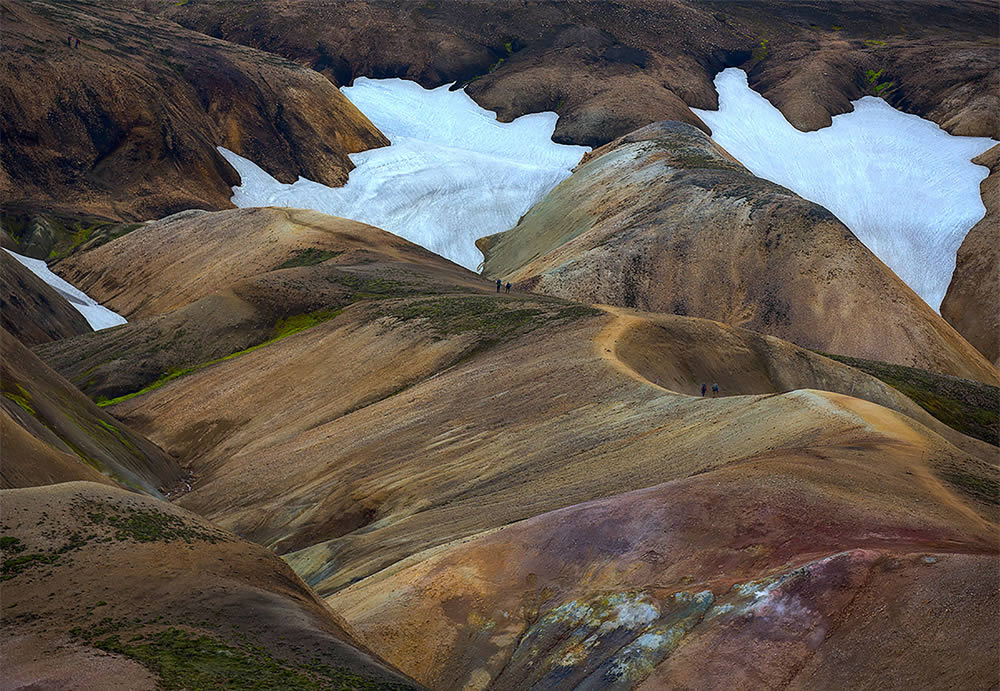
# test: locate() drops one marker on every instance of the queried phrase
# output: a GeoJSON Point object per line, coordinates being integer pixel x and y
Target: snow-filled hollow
{"type": "Point", "coordinates": [452, 174]}
{"type": "Point", "coordinates": [906, 188]}
{"type": "Point", "coordinates": [97, 315]}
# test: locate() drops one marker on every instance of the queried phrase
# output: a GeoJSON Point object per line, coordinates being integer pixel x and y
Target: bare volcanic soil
{"type": "Point", "coordinates": [125, 125]}
{"type": "Point", "coordinates": [107, 589]}
{"type": "Point", "coordinates": [609, 68]}
{"type": "Point", "coordinates": [664, 220]}
{"type": "Point", "coordinates": [32, 310]}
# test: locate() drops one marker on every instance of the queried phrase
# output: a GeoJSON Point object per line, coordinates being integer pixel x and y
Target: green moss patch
{"type": "Point", "coordinates": [300, 322]}
{"type": "Point", "coordinates": [144, 525]}
{"type": "Point", "coordinates": [311, 256]}
{"type": "Point", "coordinates": [491, 316]}
{"type": "Point", "coordinates": [971, 407]}
{"type": "Point", "coordinates": [285, 327]}
{"type": "Point", "coordinates": [16, 393]}
{"type": "Point", "coordinates": [184, 660]}
{"type": "Point", "coordinates": [982, 488]}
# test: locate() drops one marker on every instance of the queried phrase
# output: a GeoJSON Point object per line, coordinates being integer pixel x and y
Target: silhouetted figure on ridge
{"type": "Point", "coordinates": [704, 388]}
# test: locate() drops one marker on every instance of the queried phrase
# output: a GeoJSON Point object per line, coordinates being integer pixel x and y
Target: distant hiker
{"type": "Point", "coordinates": [703, 389]}
{"type": "Point", "coordinates": [507, 289]}
{"type": "Point", "coordinates": [69, 40]}
{"type": "Point", "coordinates": [715, 390]}
{"type": "Point", "coordinates": [77, 45]}
{"type": "Point", "coordinates": [498, 285]}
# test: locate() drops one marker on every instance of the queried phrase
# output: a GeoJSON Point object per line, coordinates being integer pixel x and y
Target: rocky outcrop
{"type": "Point", "coordinates": [125, 125]}
{"type": "Point", "coordinates": [32, 310]}
{"type": "Point", "coordinates": [108, 589]}
{"type": "Point", "coordinates": [609, 68]}
{"type": "Point", "coordinates": [53, 433]}
{"type": "Point", "coordinates": [971, 304]}
{"type": "Point", "coordinates": [665, 221]}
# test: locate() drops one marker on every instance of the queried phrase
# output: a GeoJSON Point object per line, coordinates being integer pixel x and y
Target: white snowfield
{"type": "Point", "coordinates": [453, 173]}
{"type": "Point", "coordinates": [98, 316]}
{"type": "Point", "coordinates": [905, 187]}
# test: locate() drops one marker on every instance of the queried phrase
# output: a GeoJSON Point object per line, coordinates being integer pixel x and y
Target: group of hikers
{"type": "Point", "coordinates": [70, 41]}
{"type": "Point", "coordinates": [715, 389]}
{"type": "Point", "coordinates": [501, 285]}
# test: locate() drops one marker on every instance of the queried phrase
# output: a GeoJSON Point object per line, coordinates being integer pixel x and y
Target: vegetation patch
{"type": "Point", "coordinates": [449, 316]}
{"type": "Point", "coordinates": [142, 525]}
{"type": "Point", "coordinates": [285, 327]}
{"type": "Point", "coordinates": [979, 487]}
{"type": "Point", "coordinates": [311, 256]}
{"type": "Point", "coordinates": [183, 660]}
{"type": "Point", "coordinates": [370, 287]}
{"type": "Point", "coordinates": [489, 316]}
{"type": "Point", "coordinates": [971, 407]}
{"type": "Point", "coordinates": [872, 77]}
{"type": "Point", "coordinates": [13, 566]}
{"type": "Point", "coordinates": [760, 50]}
{"type": "Point", "coordinates": [19, 396]}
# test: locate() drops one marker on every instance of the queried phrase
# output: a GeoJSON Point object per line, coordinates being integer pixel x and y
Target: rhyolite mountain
{"type": "Point", "coordinates": [608, 68]}
{"type": "Point", "coordinates": [125, 125]}
{"type": "Point", "coordinates": [664, 220]}
{"type": "Point", "coordinates": [379, 473]}
{"type": "Point", "coordinates": [424, 424]}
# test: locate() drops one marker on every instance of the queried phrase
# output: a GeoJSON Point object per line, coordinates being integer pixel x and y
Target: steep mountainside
{"type": "Point", "coordinates": [32, 310]}
{"type": "Point", "coordinates": [663, 220]}
{"type": "Point", "coordinates": [607, 68]}
{"type": "Point", "coordinates": [126, 124]}
{"type": "Point", "coordinates": [971, 304]}
{"type": "Point", "coordinates": [53, 433]}
{"type": "Point", "coordinates": [111, 590]}
{"type": "Point", "coordinates": [201, 286]}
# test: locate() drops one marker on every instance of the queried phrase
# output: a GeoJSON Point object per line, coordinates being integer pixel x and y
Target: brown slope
{"type": "Point", "coordinates": [70, 437]}
{"type": "Point", "coordinates": [199, 286]}
{"type": "Point", "coordinates": [775, 572]}
{"type": "Point", "coordinates": [374, 436]}
{"type": "Point", "coordinates": [663, 220]}
{"type": "Point", "coordinates": [609, 68]}
{"type": "Point", "coordinates": [349, 444]}
{"type": "Point", "coordinates": [177, 601]}
{"type": "Point", "coordinates": [32, 310]}
{"type": "Point", "coordinates": [126, 125]}
{"type": "Point", "coordinates": [971, 304]}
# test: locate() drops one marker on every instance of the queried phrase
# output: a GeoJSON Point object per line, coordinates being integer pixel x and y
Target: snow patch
{"type": "Point", "coordinates": [98, 316]}
{"type": "Point", "coordinates": [905, 187]}
{"type": "Point", "coordinates": [452, 174]}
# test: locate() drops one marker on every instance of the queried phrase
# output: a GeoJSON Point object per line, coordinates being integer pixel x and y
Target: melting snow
{"type": "Point", "coordinates": [453, 173]}
{"type": "Point", "coordinates": [903, 185]}
{"type": "Point", "coordinates": [98, 316]}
